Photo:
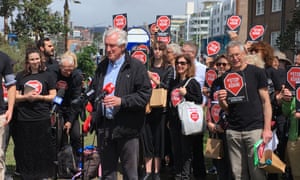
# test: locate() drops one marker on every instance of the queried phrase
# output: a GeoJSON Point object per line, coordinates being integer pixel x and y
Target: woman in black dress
{"type": "Point", "coordinates": [34, 151]}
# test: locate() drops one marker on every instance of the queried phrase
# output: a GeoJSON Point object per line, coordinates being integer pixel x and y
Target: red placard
{"type": "Point", "coordinates": [213, 48]}
{"type": "Point", "coordinates": [293, 76]}
{"type": "Point", "coordinates": [165, 39]}
{"type": "Point", "coordinates": [215, 112]}
{"type": "Point", "coordinates": [120, 21]}
{"type": "Point", "coordinates": [256, 32]}
{"type": "Point", "coordinates": [234, 22]}
{"type": "Point", "coordinates": [210, 76]}
{"type": "Point", "coordinates": [234, 83]}
{"type": "Point", "coordinates": [140, 55]}
{"type": "Point", "coordinates": [163, 23]}
{"type": "Point", "coordinates": [176, 98]}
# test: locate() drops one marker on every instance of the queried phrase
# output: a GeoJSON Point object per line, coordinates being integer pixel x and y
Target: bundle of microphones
{"type": "Point", "coordinates": [79, 104]}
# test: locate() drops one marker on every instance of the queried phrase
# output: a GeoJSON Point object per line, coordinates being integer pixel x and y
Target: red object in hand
{"type": "Point", "coordinates": [87, 122]}
{"type": "Point", "coordinates": [109, 88]}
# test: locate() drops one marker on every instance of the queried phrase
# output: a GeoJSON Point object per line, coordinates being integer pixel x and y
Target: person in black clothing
{"type": "Point", "coordinates": [153, 134]}
{"type": "Point", "coordinates": [6, 108]}
{"type": "Point", "coordinates": [120, 116]}
{"type": "Point", "coordinates": [45, 45]}
{"type": "Point", "coordinates": [182, 145]}
{"type": "Point", "coordinates": [69, 79]}
{"type": "Point", "coordinates": [31, 130]}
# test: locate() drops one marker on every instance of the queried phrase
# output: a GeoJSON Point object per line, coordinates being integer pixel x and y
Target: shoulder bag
{"type": "Point", "coordinates": [191, 116]}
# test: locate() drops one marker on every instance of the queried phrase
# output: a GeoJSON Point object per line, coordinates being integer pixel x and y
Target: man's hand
{"type": "Point", "coordinates": [67, 127]}
{"type": "Point", "coordinates": [112, 101]}
{"type": "Point", "coordinates": [267, 135]}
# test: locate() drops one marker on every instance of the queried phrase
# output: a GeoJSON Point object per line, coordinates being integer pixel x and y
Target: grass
{"type": "Point", "coordinates": [10, 161]}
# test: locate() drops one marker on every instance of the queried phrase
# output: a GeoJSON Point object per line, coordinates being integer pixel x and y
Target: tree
{"type": "Point", "coordinates": [35, 19]}
{"type": "Point", "coordinates": [85, 60]}
{"type": "Point", "coordinates": [6, 9]}
{"type": "Point", "coordinates": [286, 40]}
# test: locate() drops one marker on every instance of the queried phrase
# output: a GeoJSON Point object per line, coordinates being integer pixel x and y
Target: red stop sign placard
{"type": "Point", "coordinates": [233, 83]}
{"type": "Point", "coordinates": [163, 23]}
{"type": "Point", "coordinates": [120, 21]}
{"type": "Point", "coordinates": [213, 48]}
{"type": "Point", "coordinates": [256, 32]}
{"type": "Point", "coordinates": [233, 22]}
{"type": "Point", "coordinates": [165, 39]}
{"type": "Point", "coordinates": [215, 112]}
{"type": "Point", "coordinates": [210, 76]}
{"type": "Point", "coordinates": [140, 55]}
{"type": "Point", "coordinates": [293, 76]}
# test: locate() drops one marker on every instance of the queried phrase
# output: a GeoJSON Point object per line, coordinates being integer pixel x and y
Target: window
{"type": "Point", "coordinates": [260, 7]}
{"type": "Point", "coordinates": [274, 36]}
{"type": "Point", "coordinates": [276, 5]}
{"type": "Point", "coordinates": [297, 3]}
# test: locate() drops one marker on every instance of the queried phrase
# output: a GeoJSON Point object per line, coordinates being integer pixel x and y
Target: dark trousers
{"type": "Point", "coordinates": [185, 153]}
{"type": "Point", "coordinates": [75, 139]}
{"type": "Point", "coordinates": [198, 165]}
{"type": "Point", "coordinates": [125, 149]}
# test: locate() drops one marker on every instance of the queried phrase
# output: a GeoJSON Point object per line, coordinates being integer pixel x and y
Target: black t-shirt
{"type": "Point", "coordinates": [248, 115]}
{"type": "Point", "coordinates": [36, 110]}
{"type": "Point", "coordinates": [5, 69]}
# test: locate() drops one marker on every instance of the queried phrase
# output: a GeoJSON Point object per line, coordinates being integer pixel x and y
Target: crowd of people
{"type": "Point", "coordinates": [143, 142]}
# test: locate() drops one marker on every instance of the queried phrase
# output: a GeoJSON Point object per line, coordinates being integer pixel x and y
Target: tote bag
{"type": "Point", "coordinates": [214, 148]}
{"type": "Point", "coordinates": [191, 116]}
{"type": "Point", "coordinates": [158, 98]}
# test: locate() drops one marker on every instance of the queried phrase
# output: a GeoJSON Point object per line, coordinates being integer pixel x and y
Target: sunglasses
{"type": "Point", "coordinates": [181, 63]}
{"type": "Point", "coordinates": [223, 64]}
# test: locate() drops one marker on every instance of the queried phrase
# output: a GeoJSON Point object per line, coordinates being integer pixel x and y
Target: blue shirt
{"type": "Point", "coordinates": [111, 77]}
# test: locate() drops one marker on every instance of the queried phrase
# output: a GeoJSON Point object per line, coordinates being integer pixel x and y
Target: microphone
{"type": "Point", "coordinates": [58, 99]}
{"type": "Point", "coordinates": [82, 100]}
{"type": "Point", "coordinates": [107, 89]}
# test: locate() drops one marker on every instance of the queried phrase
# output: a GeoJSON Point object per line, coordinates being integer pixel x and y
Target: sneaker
{"type": "Point", "coordinates": [212, 170]}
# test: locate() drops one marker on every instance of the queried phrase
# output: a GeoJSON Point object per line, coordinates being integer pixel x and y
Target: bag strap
{"type": "Point", "coordinates": [187, 82]}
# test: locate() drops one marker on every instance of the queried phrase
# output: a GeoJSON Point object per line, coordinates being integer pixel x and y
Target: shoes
{"type": "Point", "coordinates": [212, 170]}
{"type": "Point", "coordinates": [148, 176]}
{"type": "Point", "coordinates": [156, 176]}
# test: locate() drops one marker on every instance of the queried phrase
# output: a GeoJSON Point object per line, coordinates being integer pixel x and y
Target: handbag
{"type": "Point", "coordinates": [91, 162]}
{"type": "Point", "coordinates": [158, 98]}
{"type": "Point", "coordinates": [66, 161]}
{"type": "Point", "coordinates": [271, 163]}
{"type": "Point", "coordinates": [191, 116]}
{"type": "Point", "coordinates": [214, 148]}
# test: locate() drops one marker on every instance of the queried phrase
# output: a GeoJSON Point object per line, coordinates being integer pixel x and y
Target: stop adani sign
{"type": "Point", "coordinates": [234, 22]}
{"type": "Point", "coordinates": [293, 76]}
{"type": "Point", "coordinates": [235, 86]}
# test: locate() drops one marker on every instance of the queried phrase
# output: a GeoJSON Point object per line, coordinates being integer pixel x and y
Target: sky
{"type": "Point", "coordinates": [92, 13]}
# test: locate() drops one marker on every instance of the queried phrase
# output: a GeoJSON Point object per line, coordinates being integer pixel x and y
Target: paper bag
{"type": "Point", "coordinates": [214, 148]}
{"type": "Point", "coordinates": [158, 98]}
{"type": "Point", "coordinates": [271, 163]}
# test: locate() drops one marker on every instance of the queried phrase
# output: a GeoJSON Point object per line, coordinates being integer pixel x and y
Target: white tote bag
{"type": "Point", "coordinates": [191, 116]}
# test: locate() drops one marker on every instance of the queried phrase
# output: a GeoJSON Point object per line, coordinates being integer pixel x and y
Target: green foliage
{"type": "Point", "coordinates": [17, 53]}
{"type": "Point", "coordinates": [286, 40]}
{"type": "Point", "coordinates": [35, 19]}
{"type": "Point", "coordinates": [85, 60]}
